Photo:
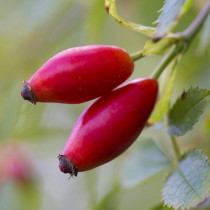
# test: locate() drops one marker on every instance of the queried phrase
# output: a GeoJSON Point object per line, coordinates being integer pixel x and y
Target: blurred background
{"type": "Point", "coordinates": [31, 137]}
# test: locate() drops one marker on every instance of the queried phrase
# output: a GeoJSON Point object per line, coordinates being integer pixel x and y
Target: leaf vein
{"type": "Point", "coordinates": [188, 183]}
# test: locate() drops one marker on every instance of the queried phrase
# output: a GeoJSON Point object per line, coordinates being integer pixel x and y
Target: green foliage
{"type": "Point", "coordinates": [171, 14]}
{"type": "Point", "coordinates": [95, 22]}
{"type": "Point", "coordinates": [189, 184]}
{"type": "Point", "coordinates": [33, 31]}
{"type": "Point", "coordinates": [144, 163]}
{"type": "Point", "coordinates": [161, 207]}
{"type": "Point", "coordinates": [163, 104]}
{"type": "Point", "coordinates": [29, 196]}
{"type": "Point", "coordinates": [22, 196]}
{"type": "Point", "coordinates": [159, 48]}
{"type": "Point", "coordinates": [111, 9]}
{"type": "Point", "coordinates": [187, 110]}
{"type": "Point", "coordinates": [205, 37]}
{"type": "Point", "coordinates": [8, 115]}
{"type": "Point", "coordinates": [110, 200]}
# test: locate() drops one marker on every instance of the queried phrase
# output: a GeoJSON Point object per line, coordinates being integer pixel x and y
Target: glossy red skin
{"type": "Point", "coordinates": [111, 124]}
{"type": "Point", "coordinates": [80, 74]}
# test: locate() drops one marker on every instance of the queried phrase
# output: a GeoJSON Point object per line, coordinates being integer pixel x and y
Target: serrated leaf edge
{"type": "Point", "coordinates": [179, 16]}
{"type": "Point", "coordinates": [200, 152]}
{"type": "Point", "coordinates": [201, 111]}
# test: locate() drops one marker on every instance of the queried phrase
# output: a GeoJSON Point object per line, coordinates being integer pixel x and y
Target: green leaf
{"type": "Point", "coordinates": [159, 48]}
{"type": "Point", "coordinates": [163, 104]}
{"type": "Point", "coordinates": [147, 161]}
{"type": "Point", "coordinates": [187, 110]}
{"type": "Point", "coordinates": [172, 12]}
{"type": "Point", "coordinates": [189, 184]}
{"type": "Point", "coordinates": [110, 6]}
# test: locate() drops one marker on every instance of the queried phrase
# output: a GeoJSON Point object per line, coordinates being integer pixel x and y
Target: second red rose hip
{"type": "Point", "coordinates": [109, 126]}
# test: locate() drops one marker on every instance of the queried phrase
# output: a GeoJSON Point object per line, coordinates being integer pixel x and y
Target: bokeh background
{"type": "Point", "coordinates": [31, 137]}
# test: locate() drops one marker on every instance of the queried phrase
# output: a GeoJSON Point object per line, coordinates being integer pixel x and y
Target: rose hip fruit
{"type": "Point", "coordinates": [109, 126]}
{"type": "Point", "coordinates": [79, 74]}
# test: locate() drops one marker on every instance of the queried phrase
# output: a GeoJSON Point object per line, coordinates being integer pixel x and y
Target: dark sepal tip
{"type": "Point", "coordinates": [66, 166]}
{"type": "Point", "coordinates": [27, 93]}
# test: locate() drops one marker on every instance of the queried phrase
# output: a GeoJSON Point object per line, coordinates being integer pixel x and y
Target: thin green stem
{"type": "Point", "coordinates": [175, 147]}
{"type": "Point", "coordinates": [189, 33]}
{"type": "Point", "coordinates": [185, 38]}
{"type": "Point", "coordinates": [175, 50]}
{"type": "Point", "coordinates": [136, 56]}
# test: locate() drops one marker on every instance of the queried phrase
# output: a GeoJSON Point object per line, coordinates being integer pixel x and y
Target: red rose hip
{"type": "Point", "coordinates": [79, 74]}
{"type": "Point", "coordinates": [109, 126]}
